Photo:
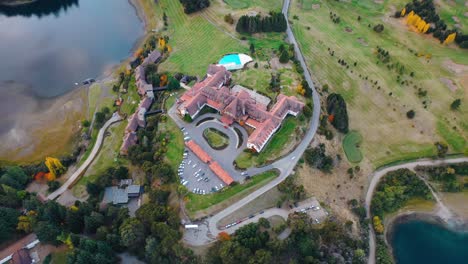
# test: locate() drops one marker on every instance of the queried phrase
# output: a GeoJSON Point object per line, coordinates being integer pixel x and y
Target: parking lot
{"type": "Point", "coordinates": [196, 176]}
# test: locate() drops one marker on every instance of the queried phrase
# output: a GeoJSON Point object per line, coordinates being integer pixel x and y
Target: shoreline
{"type": "Point", "coordinates": [453, 224]}
{"type": "Point", "coordinates": [76, 98]}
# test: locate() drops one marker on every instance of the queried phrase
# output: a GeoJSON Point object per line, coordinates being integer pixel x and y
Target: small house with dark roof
{"type": "Point", "coordinates": [21, 257]}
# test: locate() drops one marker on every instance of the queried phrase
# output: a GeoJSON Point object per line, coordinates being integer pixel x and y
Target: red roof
{"type": "Point", "coordinates": [221, 173]}
{"type": "Point", "coordinates": [198, 151]}
{"type": "Point", "coordinates": [227, 120]}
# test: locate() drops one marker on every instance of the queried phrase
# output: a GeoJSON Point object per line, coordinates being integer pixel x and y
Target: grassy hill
{"type": "Point", "coordinates": [378, 97]}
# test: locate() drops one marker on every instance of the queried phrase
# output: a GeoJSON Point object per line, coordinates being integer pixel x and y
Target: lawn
{"type": "Point", "coordinates": [215, 138]}
{"type": "Point", "coordinates": [131, 98]}
{"type": "Point", "coordinates": [195, 41]}
{"type": "Point", "coordinates": [274, 147]}
{"type": "Point", "coordinates": [267, 4]}
{"type": "Point", "coordinates": [229, 194]}
{"type": "Point", "coordinates": [351, 144]}
{"type": "Point", "coordinates": [94, 94]}
{"type": "Point", "coordinates": [175, 147]}
{"type": "Point", "coordinates": [378, 111]}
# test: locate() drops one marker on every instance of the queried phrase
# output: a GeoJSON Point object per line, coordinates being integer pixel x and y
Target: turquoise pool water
{"type": "Point", "coordinates": [231, 58]}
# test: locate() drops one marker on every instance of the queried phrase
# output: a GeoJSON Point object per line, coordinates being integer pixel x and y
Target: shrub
{"type": "Point", "coordinates": [379, 28]}
{"type": "Point", "coordinates": [455, 104]}
{"type": "Point", "coordinates": [410, 114]}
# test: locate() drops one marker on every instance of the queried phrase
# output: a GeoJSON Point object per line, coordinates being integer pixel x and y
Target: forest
{"type": "Point", "coordinates": [425, 12]}
{"type": "Point", "coordinates": [259, 243]}
{"type": "Point", "coordinates": [275, 22]}
{"type": "Point", "coordinates": [192, 6]}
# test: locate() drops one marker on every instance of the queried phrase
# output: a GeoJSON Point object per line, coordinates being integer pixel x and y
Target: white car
{"type": "Point", "coordinates": [184, 183]}
{"type": "Point", "coordinates": [194, 165]}
{"type": "Point", "coordinates": [190, 161]}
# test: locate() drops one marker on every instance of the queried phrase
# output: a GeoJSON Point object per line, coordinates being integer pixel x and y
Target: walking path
{"type": "Point", "coordinates": [82, 169]}
{"type": "Point", "coordinates": [377, 175]}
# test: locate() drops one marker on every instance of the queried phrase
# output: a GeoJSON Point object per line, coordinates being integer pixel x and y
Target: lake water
{"type": "Point", "coordinates": [422, 242]}
{"type": "Point", "coordinates": [48, 46]}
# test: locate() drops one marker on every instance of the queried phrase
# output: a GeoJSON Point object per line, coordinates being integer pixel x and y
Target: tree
{"type": "Point", "coordinates": [191, 6]}
{"type": "Point", "coordinates": [132, 233]}
{"type": "Point", "coordinates": [455, 104]}
{"type": "Point", "coordinates": [378, 226]}
{"type": "Point", "coordinates": [284, 57]}
{"type": "Point", "coordinates": [263, 222]}
{"type": "Point", "coordinates": [223, 236]}
{"type": "Point", "coordinates": [410, 114]}
{"type": "Point", "coordinates": [336, 106]}
{"type": "Point", "coordinates": [93, 222]}
{"type": "Point", "coordinates": [442, 149]}
{"type": "Point", "coordinates": [173, 84]}
{"type": "Point", "coordinates": [47, 233]}
{"type": "Point", "coordinates": [379, 28]}
{"type": "Point", "coordinates": [252, 48]}
{"type": "Point", "coordinates": [14, 177]}
{"type": "Point", "coordinates": [8, 223]}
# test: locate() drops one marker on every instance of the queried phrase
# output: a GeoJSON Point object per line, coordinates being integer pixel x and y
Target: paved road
{"type": "Point", "coordinates": [80, 171]}
{"type": "Point", "coordinates": [377, 175]}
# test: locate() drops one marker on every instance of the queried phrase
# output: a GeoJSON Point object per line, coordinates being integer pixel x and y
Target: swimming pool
{"type": "Point", "coordinates": [231, 58]}
{"type": "Point", "coordinates": [234, 61]}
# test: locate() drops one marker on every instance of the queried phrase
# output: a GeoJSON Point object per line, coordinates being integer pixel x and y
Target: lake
{"type": "Point", "coordinates": [45, 48]}
{"type": "Point", "coordinates": [416, 241]}
{"type": "Point", "coordinates": [50, 45]}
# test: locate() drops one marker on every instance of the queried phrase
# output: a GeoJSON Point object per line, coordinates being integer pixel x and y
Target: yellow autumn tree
{"type": "Point", "coordinates": [55, 166]}
{"type": "Point", "coordinates": [450, 38]}
{"type": "Point", "coordinates": [26, 222]}
{"type": "Point", "coordinates": [378, 226]}
{"type": "Point", "coordinates": [300, 90]}
{"type": "Point", "coordinates": [162, 43]}
{"type": "Point", "coordinates": [403, 12]}
{"type": "Point", "coordinates": [426, 28]}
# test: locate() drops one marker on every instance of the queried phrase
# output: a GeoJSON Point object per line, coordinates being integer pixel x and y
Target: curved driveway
{"type": "Point", "coordinates": [79, 172]}
{"type": "Point", "coordinates": [377, 175]}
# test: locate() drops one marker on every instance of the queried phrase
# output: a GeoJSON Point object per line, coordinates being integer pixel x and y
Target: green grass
{"type": "Point", "coordinates": [274, 147]}
{"type": "Point", "coordinates": [307, 4]}
{"type": "Point", "coordinates": [108, 155]}
{"type": "Point", "coordinates": [351, 143]}
{"type": "Point", "coordinates": [379, 117]}
{"type": "Point", "coordinates": [195, 41]}
{"type": "Point", "coordinates": [448, 9]}
{"type": "Point", "coordinates": [59, 257]}
{"type": "Point", "coordinates": [94, 94]}
{"type": "Point", "coordinates": [267, 4]}
{"type": "Point", "coordinates": [215, 138]}
{"type": "Point", "coordinates": [131, 99]}
{"type": "Point", "coordinates": [199, 202]}
{"type": "Point", "coordinates": [457, 142]}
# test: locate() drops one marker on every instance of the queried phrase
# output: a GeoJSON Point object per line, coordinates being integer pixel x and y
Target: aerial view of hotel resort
{"type": "Point", "coordinates": [234, 131]}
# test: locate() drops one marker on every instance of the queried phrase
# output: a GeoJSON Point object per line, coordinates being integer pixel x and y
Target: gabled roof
{"type": "Point", "coordinates": [132, 125]}
{"type": "Point", "coordinates": [221, 173]}
{"type": "Point", "coordinates": [195, 148]}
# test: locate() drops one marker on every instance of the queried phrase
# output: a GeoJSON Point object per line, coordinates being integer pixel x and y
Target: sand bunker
{"type": "Point", "coordinates": [454, 67]}
{"type": "Point", "coordinates": [449, 83]}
